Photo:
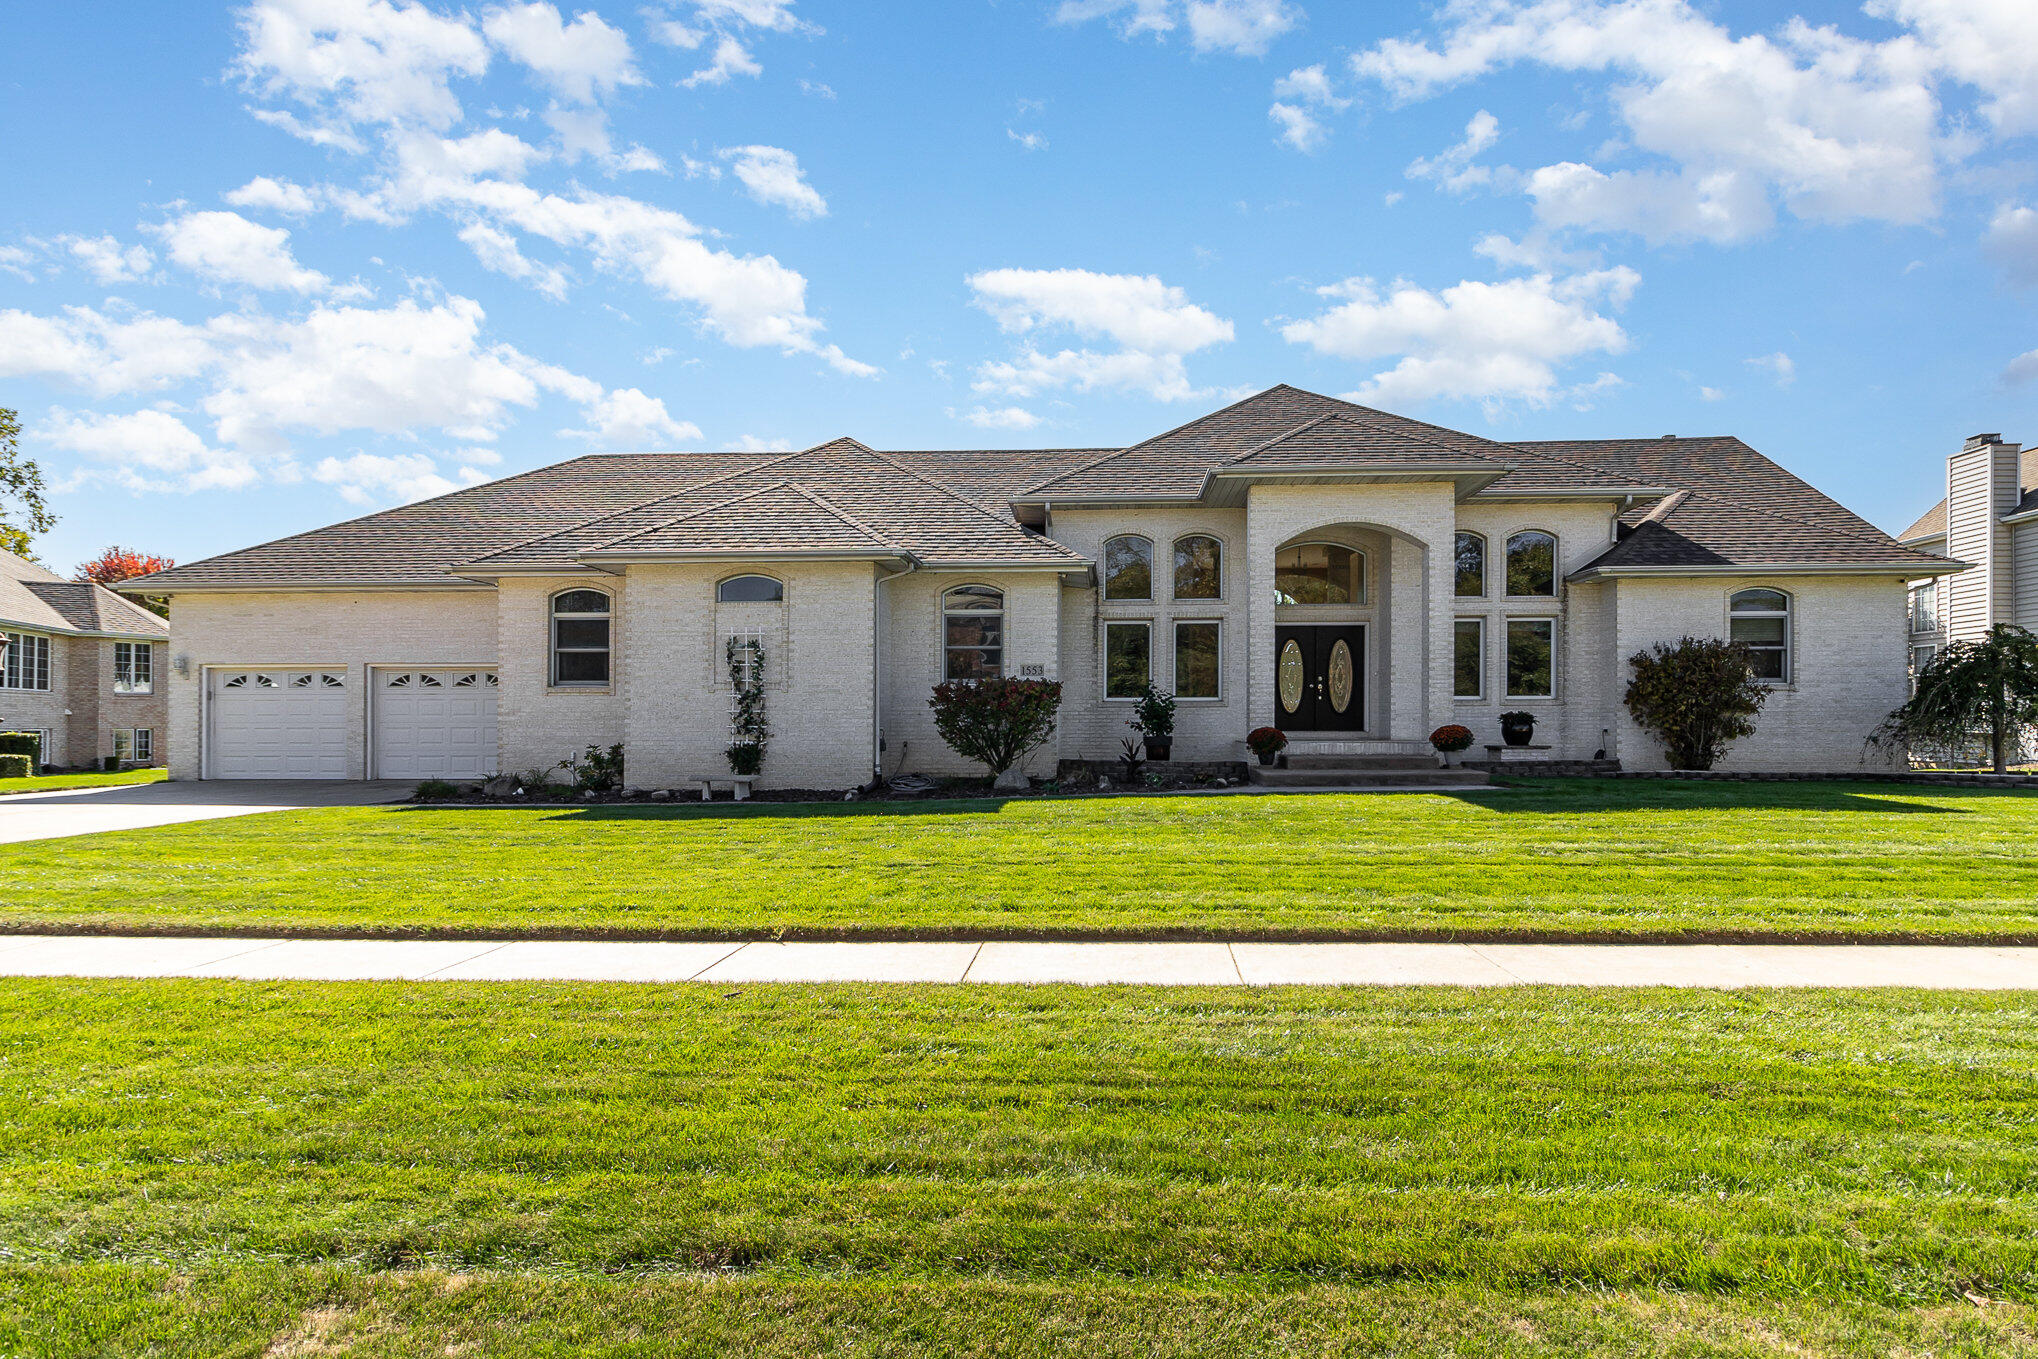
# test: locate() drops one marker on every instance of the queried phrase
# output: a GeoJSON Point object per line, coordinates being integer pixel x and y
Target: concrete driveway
{"type": "Point", "coordinates": [89, 811]}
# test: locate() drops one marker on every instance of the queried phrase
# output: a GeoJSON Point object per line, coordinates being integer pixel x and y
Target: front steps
{"type": "Point", "coordinates": [1378, 766]}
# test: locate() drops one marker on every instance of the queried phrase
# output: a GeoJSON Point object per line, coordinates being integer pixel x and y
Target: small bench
{"type": "Point", "coordinates": [739, 784]}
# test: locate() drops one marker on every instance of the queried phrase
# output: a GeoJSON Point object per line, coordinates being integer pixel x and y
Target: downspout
{"type": "Point", "coordinates": [880, 620]}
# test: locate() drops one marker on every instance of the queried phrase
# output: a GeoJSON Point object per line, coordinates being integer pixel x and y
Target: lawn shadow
{"type": "Point", "coordinates": [1555, 797]}
{"type": "Point", "coordinates": [725, 811]}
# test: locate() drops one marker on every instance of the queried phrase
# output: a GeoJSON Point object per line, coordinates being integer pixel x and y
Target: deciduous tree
{"type": "Point", "coordinates": [23, 511]}
{"type": "Point", "coordinates": [1985, 691]}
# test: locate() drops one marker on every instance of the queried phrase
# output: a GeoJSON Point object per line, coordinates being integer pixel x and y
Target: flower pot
{"type": "Point", "coordinates": [1517, 733]}
{"type": "Point", "coordinates": [1158, 749]}
{"type": "Point", "coordinates": [1267, 760]}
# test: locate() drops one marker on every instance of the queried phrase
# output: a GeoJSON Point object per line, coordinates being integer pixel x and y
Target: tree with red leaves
{"type": "Point", "coordinates": [116, 564]}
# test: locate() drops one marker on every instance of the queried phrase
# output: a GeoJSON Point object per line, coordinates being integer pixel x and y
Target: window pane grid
{"type": "Point", "coordinates": [1760, 621]}
{"type": "Point", "coordinates": [973, 633]}
{"type": "Point", "coordinates": [580, 638]}
{"type": "Point", "coordinates": [28, 662]}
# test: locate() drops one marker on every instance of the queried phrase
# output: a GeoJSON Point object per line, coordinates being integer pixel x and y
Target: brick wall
{"type": "Point", "coordinates": [39, 709]}
{"type": "Point", "coordinates": [914, 661]}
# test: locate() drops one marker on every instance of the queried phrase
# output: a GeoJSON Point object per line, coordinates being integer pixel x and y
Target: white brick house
{"type": "Point", "coordinates": [1292, 560]}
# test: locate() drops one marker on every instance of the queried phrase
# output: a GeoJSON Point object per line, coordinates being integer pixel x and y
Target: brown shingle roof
{"type": "Point", "coordinates": [33, 597]}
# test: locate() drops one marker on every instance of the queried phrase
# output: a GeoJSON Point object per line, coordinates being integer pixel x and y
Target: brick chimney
{"type": "Point", "coordinates": [1982, 485]}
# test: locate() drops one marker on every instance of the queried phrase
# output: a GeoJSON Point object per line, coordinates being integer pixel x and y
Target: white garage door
{"type": "Point", "coordinates": [278, 724]}
{"type": "Point", "coordinates": [434, 724]}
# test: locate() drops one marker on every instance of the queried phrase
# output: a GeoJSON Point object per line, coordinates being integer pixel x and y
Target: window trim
{"type": "Point", "coordinates": [1788, 613]}
{"type": "Point", "coordinates": [1365, 561]}
{"type": "Point", "coordinates": [748, 575]}
{"type": "Point", "coordinates": [552, 619]}
{"type": "Point", "coordinates": [1104, 658]}
{"type": "Point", "coordinates": [145, 652]}
{"type": "Point", "coordinates": [13, 664]}
{"type": "Point", "coordinates": [1104, 558]}
{"type": "Point", "coordinates": [1004, 612]}
{"type": "Point", "coordinates": [1174, 571]}
{"type": "Point", "coordinates": [1480, 623]}
{"type": "Point", "coordinates": [1175, 626]}
{"type": "Point", "coordinates": [1556, 563]}
{"type": "Point", "coordinates": [142, 756]}
{"type": "Point", "coordinates": [1555, 670]}
{"type": "Point", "coordinates": [1485, 564]}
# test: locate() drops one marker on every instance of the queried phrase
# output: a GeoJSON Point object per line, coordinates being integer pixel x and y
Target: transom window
{"type": "Point", "coordinates": [580, 637]}
{"type": "Point", "coordinates": [132, 668]}
{"type": "Point", "coordinates": [1319, 573]}
{"type": "Point", "coordinates": [1760, 621]}
{"type": "Point", "coordinates": [973, 633]}
{"type": "Point", "coordinates": [1199, 567]}
{"type": "Point", "coordinates": [1471, 565]}
{"type": "Point", "coordinates": [1532, 564]}
{"type": "Point", "coordinates": [749, 590]}
{"type": "Point", "coordinates": [27, 665]}
{"type": "Point", "coordinates": [1128, 567]}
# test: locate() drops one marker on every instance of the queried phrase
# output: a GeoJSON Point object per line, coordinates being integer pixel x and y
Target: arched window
{"type": "Point", "coordinates": [973, 633]}
{"type": "Point", "coordinates": [1319, 573]}
{"type": "Point", "coordinates": [1760, 620]}
{"type": "Point", "coordinates": [580, 637]}
{"type": "Point", "coordinates": [1532, 564]}
{"type": "Point", "coordinates": [1199, 567]}
{"type": "Point", "coordinates": [749, 590]}
{"type": "Point", "coordinates": [1128, 567]}
{"type": "Point", "coordinates": [1471, 565]}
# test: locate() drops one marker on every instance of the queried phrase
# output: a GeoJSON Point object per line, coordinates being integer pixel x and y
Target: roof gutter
{"type": "Point", "coordinates": [298, 587]}
{"type": "Point", "coordinates": [65, 630]}
{"type": "Point", "coordinates": [1908, 570]}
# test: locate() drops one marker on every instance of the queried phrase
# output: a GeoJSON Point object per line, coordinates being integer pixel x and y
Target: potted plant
{"type": "Point", "coordinates": [1450, 739]}
{"type": "Point", "coordinates": [1154, 719]}
{"type": "Point", "coordinates": [1517, 727]}
{"type": "Point", "coordinates": [1266, 743]}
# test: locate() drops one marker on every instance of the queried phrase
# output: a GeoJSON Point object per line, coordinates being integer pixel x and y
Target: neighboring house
{"type": "Point", "coordinates": [1351, 576]}
{"type": "Point", "coordinates": [81, 665]}
{"type": "Point", "coordinates": [1988, 524]}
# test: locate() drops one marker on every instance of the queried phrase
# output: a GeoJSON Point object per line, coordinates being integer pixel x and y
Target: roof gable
{"type": "Point", "coordinates": [34, 597]}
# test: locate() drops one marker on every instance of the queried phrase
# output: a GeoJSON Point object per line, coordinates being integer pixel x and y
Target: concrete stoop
{"type": "Point", "coordinates": [1350, 765]}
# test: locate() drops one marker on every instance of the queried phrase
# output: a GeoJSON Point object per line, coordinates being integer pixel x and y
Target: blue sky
{"type": "Point", "coordinates": [270, 265]}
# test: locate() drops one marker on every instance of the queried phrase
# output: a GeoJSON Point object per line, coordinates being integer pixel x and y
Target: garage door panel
{"type": "Point", "coordinates": [278, 724]}
{"type": "Point", "coordinates": [435, 724]}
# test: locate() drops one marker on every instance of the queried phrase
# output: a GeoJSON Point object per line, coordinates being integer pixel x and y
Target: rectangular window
{"type": "Point", "coordinates": [1925, 607]}
{"type": "Point", "coordinates": [28, 662]}
{"type": "Point", "coordinates": [1531, 658]}
{"type": "Point", "coordinates": [123, 745]}
{"type": "Point", "coordinates": [1768, 641]}
{"type": "Point", "coordinates": [1468, 665]}
{"type": "Point", "coordinates": [1127, 659]}
{"type": "Point", "coordinates": [1198, 661]}
{"type": "Point", "coordinates": [133, 668]}
{"type": "Point", "coordinates": [144, 745]}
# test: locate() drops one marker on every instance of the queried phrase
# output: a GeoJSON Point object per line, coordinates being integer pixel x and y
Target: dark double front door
{"type": "Point", "coordinates": [1320, 677]}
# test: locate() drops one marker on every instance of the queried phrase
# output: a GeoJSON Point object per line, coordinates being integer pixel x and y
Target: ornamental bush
{"type": "Point", "coordinates": [27, 743]}
{"type": "Point", "coordinates": [14, 767]}
{"type": "Point", "coordinates": [1266, 740]}
{"type": "Point", "coordinates": [1696, 697]}
{"type": "Point", "coordinates": [1451, 738]}
{"type": "Point", "coordinates": [996, 722]}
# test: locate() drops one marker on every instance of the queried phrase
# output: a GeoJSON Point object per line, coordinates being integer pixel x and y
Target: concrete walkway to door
{"type": "Point", "coordinates": [1721, 966]}
{"type": "Point", "coordinates": [89, 811]}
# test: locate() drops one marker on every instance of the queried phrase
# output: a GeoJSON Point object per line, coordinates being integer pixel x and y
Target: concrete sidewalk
{"type": "Point", "coordinates": [1930, 967]}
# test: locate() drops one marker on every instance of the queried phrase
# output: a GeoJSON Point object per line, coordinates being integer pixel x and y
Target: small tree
{"type": "Point", "coordinates": [1972, 691]}
{"type": "Point", "coordinates": [20, 482]}
{"type": "Point", "coordinates": [1696, 697]}
{"type": "Point", "coordinates": [996, 722]}
{"type": "Point", "coordinates": [117, 564]}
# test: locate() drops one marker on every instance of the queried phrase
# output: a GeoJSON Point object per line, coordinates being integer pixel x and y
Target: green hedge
{"type": "Point", "coordinates": [27, 743]}
{"type": "Point", "coordinates": [15, 767]}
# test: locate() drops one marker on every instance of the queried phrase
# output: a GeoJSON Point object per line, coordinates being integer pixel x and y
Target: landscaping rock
{"type": "Point", "coordinates": [661, 795]}
{"type": "Point", "coordinates": [502, 785]}
{"type": "Point", "coordinates": [1011, 781]}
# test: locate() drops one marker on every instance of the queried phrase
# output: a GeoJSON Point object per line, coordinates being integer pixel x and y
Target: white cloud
{"type": "Point", "coordinates": [818, 89]}
{"type": "Point", "coordinates": [1492, 342]}
{"type": "Point", "coordinates": [1832, 127]}
{"type": "Point", "coordinates": [17, 261]}
{"type": "Point", "coordinates": [2013, 239]}
{"type": "Point", "coordinates": [1154, 324]}
{"type": "Point", "coordinates": [1002, 417]}
{"type": "Point", "coordinates": [109, 261]}
{"type": "Point", "coordinates": [2022, 369]}
{"type": "Point", "coordinates": [1777, 365]}
{"type": "Point", "coordinates": [731, 59]}
{"type": "Point", "coordinates": [1028, 141]}
{"type": "Point", "coordinates": [772, 176]}
{"type": "Point", "coordinates": [360, 61]}
{"type": "Point", "coordinates": [383, 479]}
{"type": "Point", "coordinates": [1452, 168]}
{"type": "Point", "coordinates": [1299, 97]}
{"type": "Point", "coordinates": [1299, 127]}
{"type": "Point", "coordinates": [498, 251]}
{"type": "Point", "coordinates": [149, 450]}
{"type": "Point", "coordinates": [626, 417]}
{"type": "Point", "coordinates": [225, 247]}
{"type": "Point", "coordinates": [753, 443]}
{"type": "Point", "coordinates": [105, 355]}
{"type": "Point", "coordinates": [1711, 394]}
{"type": "Point", "coordinates": [1240, 27]}
{"type": "Point", "coordinates": [1991, 45]}
{"type": "Point", "coordinates": [264, 194]}
{"type": "Point", "coordinates": [579, 61]}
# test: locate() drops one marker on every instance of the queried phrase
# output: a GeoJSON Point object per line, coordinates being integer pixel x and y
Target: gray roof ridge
{"type": "Point", "coordinates": [605, 514]}
{"type": "Point", "coordinates": [783, 483]}
{"type": "Point", "coordinates": [1875, 537]}
{"type": "Point", "coordinates": [33, 566]}
{"type": "Point", "coordinates": [1154, 438]}
{"type": "Point", "coordinates": [1361, 414]}
{"type": "Point", "coordinates": [842, 514]}
{"type": "Point", "coordinates": [1664, 508]}
{"type": "Point", "coordinates": [1260, 448]}
{"type": "Point", "coordinates": [948, 491]}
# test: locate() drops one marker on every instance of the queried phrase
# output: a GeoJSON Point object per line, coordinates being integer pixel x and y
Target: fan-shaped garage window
{"type": "Point", "coordinates": [580, 638]}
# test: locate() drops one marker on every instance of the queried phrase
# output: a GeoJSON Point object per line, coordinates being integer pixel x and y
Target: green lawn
{"type": "Point", "coordinates": [43, 783]}
{"type": "Point", "coordinates": [1556, 858]}
{"type": "Point", "coordinates": [227, 1168]}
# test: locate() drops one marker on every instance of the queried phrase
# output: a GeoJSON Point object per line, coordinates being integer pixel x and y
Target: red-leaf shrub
{"type": "Point", "coordinates": [1451, 738]}
{"type": "Point", "coordinates": [996, 722]}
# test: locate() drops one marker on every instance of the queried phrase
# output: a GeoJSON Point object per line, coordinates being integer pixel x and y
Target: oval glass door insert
{"type": "Point", "coordinates": [1290, 676]}
{"type": "Point", "coordinates": [1340, 676]}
